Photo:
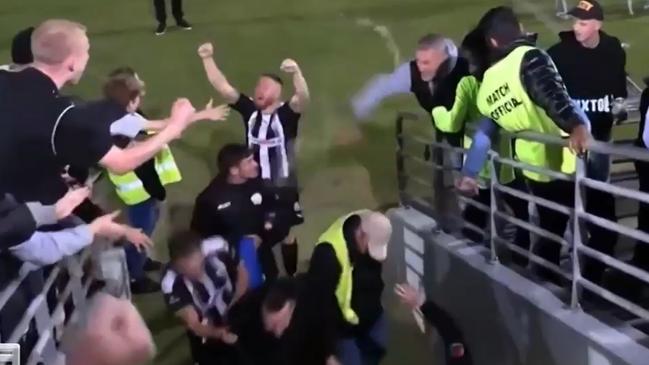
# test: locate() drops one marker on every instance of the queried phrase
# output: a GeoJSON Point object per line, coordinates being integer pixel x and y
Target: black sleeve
{"type": "Point", "coordinates": [289, 119]}
{"type": "Point", "coordinates": [245, 106]}
{"type": "Point", "coordinates": [16, 223]}
{"type": "Point", "coordinates": [150, 180]}
{"type": "Point", "coordinates": [82, 137]}
{"type": "Point", "coordinates": [324, 270]}
{"type": "Point", "coordinates": [175, 293]}
{"type": "Point", "coordinates": [621, 89]}
{"type": "Point", "coordinates": [443, 323]}
{"type": "Point", "coordinates": [545, 87]}
{"type": "Point", "coordinates": [208, 220]}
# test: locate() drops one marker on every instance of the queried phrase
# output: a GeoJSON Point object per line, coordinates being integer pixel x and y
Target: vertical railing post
{"type": "Point", "coordinates": [401, 179]}
{"type": "Point", "coordinates": [493, 207]}
{"type": "Point", "coordinates": [577, 234]}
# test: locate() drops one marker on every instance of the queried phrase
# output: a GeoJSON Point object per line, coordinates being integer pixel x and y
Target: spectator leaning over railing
{"type": "Point", "coordinates": [522, 91]}
{"type": "Point", "coordinates": [460, 111]}
{"type": "Point", "coordinates": [48, 132]}
{"type": "Point", "coordinates": [592, 65]}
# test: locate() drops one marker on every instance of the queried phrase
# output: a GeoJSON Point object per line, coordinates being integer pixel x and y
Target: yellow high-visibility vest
{"type": "Point", "coordinates": [130, 188]}
{"type": "Point", "coordinates": [334, 236]}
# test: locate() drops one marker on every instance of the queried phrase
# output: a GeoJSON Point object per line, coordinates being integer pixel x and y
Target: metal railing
{"type": "Point", "coordinates": [420, 150]}
{"type": "Point", "coordinates": [53, 297]}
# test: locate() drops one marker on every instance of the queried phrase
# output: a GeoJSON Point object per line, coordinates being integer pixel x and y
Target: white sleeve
{"type": "Point", "coordinates": [47, 248]}
{"type": "Point", "coordinates": [379, 88]}
{"type": "Point", "coordinates": [129, 125]}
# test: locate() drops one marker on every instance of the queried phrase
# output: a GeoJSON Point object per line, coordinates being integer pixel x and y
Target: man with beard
{"type": "Point", "coordinates": [271, 130]}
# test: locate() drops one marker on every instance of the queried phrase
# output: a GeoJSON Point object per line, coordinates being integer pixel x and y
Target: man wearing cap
{"type": "Point", "coordinates": [592, 65]}
{"type": "Point", "coordinates": [347, 264]}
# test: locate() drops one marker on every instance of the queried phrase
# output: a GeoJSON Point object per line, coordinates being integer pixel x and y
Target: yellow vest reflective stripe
{"type": "Point", "coordinates": [503, 98]}
{"type": "Point", "coordinates": [334, 236]}
{"type": "Point", "coordinates": [129, 187]}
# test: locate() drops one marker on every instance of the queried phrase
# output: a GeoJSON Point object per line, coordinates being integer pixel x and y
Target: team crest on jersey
{"type": "Point", "coordinates": [256, 199]}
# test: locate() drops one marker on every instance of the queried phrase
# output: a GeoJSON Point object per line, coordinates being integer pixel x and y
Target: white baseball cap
{"type": "Point", "coordinates": [378, 229]}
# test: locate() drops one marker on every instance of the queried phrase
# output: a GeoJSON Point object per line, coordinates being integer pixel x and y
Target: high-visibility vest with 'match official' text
{"type": "Point", "coordinates": [130, 188]}
{"type": "Point", "coordinates": [503, 98]}
{"type": "Point", "coordinates": [334, 236]}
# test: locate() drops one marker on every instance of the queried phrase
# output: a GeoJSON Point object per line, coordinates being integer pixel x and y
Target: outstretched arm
{"type": "Point", "coordinates": [215, 76]}
{"type": "Point", "coordinates": [301, 98]}
{"type": "Point", "coordinates": [379, 88]}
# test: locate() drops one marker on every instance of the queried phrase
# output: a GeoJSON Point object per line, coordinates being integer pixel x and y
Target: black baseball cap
{"type": "Point", "coordinates": [588, 10]}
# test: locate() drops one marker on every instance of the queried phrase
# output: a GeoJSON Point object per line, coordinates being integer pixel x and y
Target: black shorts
{"type": "Point", "coordinates": [289, 212]}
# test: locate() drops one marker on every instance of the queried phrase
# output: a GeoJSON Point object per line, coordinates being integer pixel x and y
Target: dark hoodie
{"type": "Point", "coordinates": [594, 77]}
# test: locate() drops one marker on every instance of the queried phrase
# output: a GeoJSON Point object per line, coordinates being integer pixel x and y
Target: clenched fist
{"type": "Point", "coordinates": [206, 50]}
{"type": "Point", "coordinates": [289, 66]}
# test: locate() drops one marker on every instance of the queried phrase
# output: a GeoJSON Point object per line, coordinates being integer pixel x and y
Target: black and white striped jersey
{"type": "Point", "coordinates": [272, 137]}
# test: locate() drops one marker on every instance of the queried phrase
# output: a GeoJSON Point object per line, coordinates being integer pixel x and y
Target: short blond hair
{"type": "Point", "coordinates": [54, 40]}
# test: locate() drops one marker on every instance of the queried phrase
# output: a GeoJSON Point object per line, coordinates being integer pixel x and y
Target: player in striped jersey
{"type": "Point", "coordinates": [271, 130]}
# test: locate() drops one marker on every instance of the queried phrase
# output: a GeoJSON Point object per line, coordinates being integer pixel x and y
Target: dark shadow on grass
{"type": "Point", "coordinates": [172, 348]}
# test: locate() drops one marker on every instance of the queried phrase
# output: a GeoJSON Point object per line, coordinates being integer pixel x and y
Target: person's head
{"type": "Point", "coordinates": [372, 232]}
{"type": "Point", "coordinates": [125, 88]}
{"type": "Point", "coordinates": [474, 49]}
{"type": "Point", "coordinates": [278, 306]}
{"type": "Point", "coordinates": [236, 161]}
{"type": "Point", "coordinates": [432, 51]}
{"type": "Point", "coordinates": [501, 27]}
{"type": "Point", "coordinates": [588, 16]}
{"type": "Point", "coordinates": [62, 47]}
{"type": "Point", "coordinates": [109, 331]}
{"type": "Point", "coordinates": [185, 254]}
{"type": "Point", "coordinates": [21, 47]}
{"type": "Point", "coordinates": [268, 90]}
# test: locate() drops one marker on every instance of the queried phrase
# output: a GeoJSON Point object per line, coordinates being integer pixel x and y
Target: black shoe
{"type": "Point", "coordinates": [182, 23]}
{"type": "Point", "coordinates": [152, 265]}
{"type": "Point", "coordinates": [144, 286]}
{"type": "Point", "coordinates": [161, 29]}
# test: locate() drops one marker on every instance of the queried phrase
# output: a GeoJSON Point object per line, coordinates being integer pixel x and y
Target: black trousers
{"type": "Point", "coordinates": [519, 208]}
{"type": "Point", "coordinates": [560, 192]}
{"type": "Point", "coordinates": [631, 287]}
{"type": "Point", "coordinates": [601, 204]}
{"type": "Point", "coordinates": [161, 11]}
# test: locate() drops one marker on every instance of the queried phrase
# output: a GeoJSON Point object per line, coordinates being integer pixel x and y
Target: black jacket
{"type": "Point", "coordinates": [544, 85]}
{"type": "Point", "coordinates": [16, 223]}
{"type": "Point", "coordinates": [593, 77]}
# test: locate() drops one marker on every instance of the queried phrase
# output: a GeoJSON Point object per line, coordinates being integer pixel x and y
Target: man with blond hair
{"type": "Point", "coordinates": [42, 131]}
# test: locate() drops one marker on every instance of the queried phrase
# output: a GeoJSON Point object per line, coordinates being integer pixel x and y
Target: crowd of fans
{"type": "Point", "coordinates": [222, 280]}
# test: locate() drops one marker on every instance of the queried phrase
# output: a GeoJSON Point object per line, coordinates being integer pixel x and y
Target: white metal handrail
{"type": "Point", "coordinates": [74, 290]}
{"type": "Point", "coordinates": [576, 212]}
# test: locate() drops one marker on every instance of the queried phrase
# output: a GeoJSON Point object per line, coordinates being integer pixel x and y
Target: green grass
{"type": "Point", "coordinates": [254, 36]}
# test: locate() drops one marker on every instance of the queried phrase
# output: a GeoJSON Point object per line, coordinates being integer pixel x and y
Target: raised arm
{"type": "Point", "coordinates": [121, 161]}
{"type": "Point", "coordinates": [379, 88]}
{"type": "Point", "coordinates": [215, 76]}
{"type": "Point", "coordinates": [301, 98]}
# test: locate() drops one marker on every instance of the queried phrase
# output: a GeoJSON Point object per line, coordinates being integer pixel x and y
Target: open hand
{"type": "Point", "coordinates": [409, 296]}
{"type": "Point", "coordinates": [182, 113]}
{"type": "Point", "coordinates": [206, 50]}
{"type": "Point", "coordinates": [289, 66]}
{"type": "Point", "coordinates": [70, 201]}
{"type": "Point", "coordinates": [217, 113]}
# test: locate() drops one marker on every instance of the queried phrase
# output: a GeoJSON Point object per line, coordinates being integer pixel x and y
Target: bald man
{"type": "Point", "coordinates": [111, 332]}
{"type": "Point", "coordinates": [43, 131]}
